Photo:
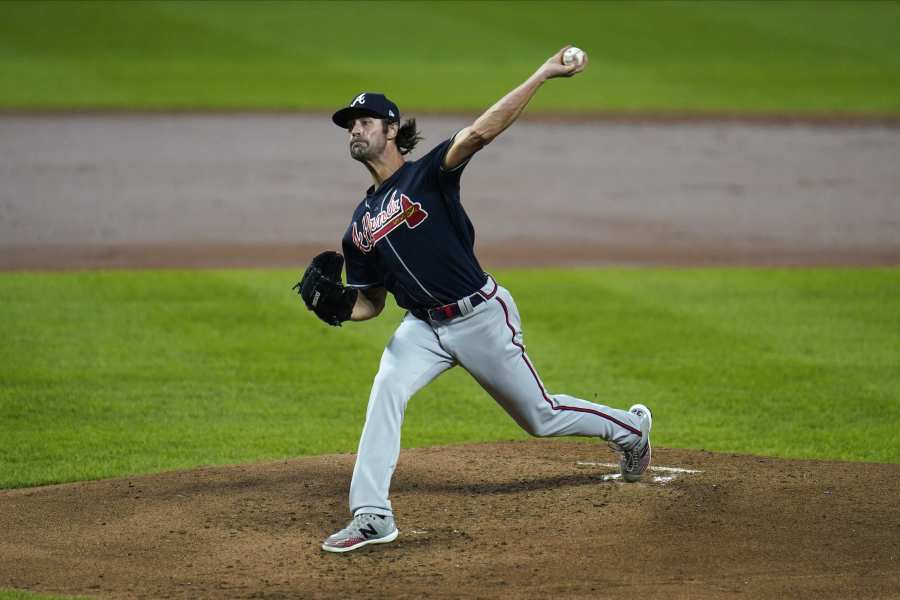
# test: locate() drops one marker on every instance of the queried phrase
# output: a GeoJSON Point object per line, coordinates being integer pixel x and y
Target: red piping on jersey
{"type": "Point", "coordinates": [494, 291]}
{"type": "Point", "coordinates": [553, 404]}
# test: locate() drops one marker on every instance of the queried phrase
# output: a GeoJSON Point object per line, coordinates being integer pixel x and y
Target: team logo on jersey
{"type": "Point", "coordinates": [399, 210]}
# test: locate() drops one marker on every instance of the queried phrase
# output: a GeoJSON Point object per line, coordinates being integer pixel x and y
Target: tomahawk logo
{"type": "Point", "coordinates": [361, 99]}
{"type": "Point", "coordinates": [399, 210]}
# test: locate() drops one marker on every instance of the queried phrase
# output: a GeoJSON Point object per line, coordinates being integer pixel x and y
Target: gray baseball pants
{"type": "Point", "coordinates": [487, 342]}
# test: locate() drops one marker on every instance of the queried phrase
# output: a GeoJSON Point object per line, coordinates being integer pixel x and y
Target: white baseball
{"type": "Point", "coordinates": [573, 56]}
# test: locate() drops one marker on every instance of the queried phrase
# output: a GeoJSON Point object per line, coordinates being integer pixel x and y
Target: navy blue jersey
{"type": "Point", "coordinates": [412, 236]}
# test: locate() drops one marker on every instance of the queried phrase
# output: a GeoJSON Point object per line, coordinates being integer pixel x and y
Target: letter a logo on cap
{"type": "Point", "coordinates": [361, 99]}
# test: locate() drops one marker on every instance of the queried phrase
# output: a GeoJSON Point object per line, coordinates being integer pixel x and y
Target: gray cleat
{"type": "Point", "coordinates": [635, 460]}
{"type": "Point", "coordinates": [365, 528]}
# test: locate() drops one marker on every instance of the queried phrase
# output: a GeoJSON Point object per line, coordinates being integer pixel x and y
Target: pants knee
{"type": "Point", "coordinates": [390, 391]}
{"type": "Point", "coordinates": [538, 422]}
{"type": "Point", "coordinates": [533, 425]}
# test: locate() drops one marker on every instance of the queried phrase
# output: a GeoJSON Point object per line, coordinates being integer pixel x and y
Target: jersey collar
{"type": "Point", "coordinates": [372, 191]}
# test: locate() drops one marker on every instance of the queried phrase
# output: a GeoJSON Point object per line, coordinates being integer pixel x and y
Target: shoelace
{"type": "Point", "coordinates": [352, 527]}
{"type": "Point", "coordinates": [632, 457]}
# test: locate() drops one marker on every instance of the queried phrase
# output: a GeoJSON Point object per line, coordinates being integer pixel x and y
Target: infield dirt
{"type": "Point", "coordinates": [509, 520]}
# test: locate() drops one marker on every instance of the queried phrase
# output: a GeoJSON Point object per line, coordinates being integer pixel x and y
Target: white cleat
{"type": "Point", "coordinates": [635, 461]}
{"type": "Point", "coordinates": [364, 529]}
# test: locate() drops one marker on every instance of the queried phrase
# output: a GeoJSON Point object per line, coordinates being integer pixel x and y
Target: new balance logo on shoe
{"type": "Point", "coordinates": [368, 531]}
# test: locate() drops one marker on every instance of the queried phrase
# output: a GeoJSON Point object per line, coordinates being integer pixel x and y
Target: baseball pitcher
{"type": "Point", "coordinates": [410, 236]}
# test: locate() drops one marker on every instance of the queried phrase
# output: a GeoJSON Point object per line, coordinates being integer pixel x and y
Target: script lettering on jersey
{"type": "Point", "coordinates": [399, 210]}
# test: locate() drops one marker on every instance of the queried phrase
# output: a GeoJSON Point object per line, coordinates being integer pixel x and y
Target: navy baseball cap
{"type": "Point", "coordinates": [367, 104]}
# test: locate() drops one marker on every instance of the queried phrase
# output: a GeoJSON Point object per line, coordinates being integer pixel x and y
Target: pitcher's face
{"type": "Point", "coordinates": [368, 138]}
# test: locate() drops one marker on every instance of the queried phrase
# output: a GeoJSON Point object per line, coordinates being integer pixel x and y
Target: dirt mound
{"type": "Point", "coordinates": [519, 519]}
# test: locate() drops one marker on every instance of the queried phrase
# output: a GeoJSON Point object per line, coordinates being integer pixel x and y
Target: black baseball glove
{"type": "Point", "coordinates": [323, 291]}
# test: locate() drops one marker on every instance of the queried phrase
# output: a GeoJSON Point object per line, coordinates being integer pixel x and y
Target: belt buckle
{"type": "Point", "coordinates": [452, 310]}
{"type": "Point", "coordinates": [443, 313]}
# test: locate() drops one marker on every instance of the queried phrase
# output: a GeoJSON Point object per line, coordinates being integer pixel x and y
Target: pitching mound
{"type": "Point", "coordinates": [512, 520]}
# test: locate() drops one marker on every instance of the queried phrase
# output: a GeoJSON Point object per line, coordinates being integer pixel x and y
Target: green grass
{"type": "Point", "coordinates": [106, 374]}
{"type": "Point", "coordinates": [756, 57]}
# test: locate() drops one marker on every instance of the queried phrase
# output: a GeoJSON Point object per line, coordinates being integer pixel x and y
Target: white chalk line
{"type": "Point", "coordinates": [656, 479]}
{"type": "Point", "coordinates": [661, 479]}
{"type": "Point", "coordinates": [581, 463]}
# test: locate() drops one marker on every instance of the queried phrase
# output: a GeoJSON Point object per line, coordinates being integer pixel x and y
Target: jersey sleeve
{"type": "Point", "coordinates": [362, 270]}
{"type": "Point", "coordinates": [448, 179]}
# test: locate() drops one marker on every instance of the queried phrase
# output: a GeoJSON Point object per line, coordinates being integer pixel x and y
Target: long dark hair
{"type": "Point", "coordinates": [407, 136]}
